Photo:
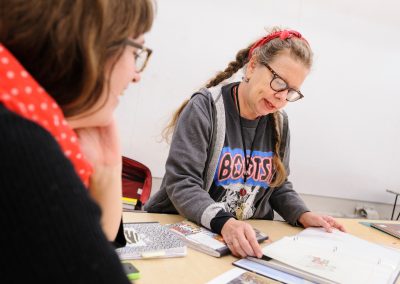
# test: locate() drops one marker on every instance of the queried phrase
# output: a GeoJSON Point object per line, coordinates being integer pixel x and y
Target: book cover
{"type": "Point", "coordinates": [204, 240]}
{"type": "Point", "coordinates": [260, 267]}
{"type": "Point", "coordinates": [150, 240]}
{"type": "Point", "coordinates": [389, 228]}
{"type": "Point", "coordinates": [335, 257]}
{"type": "Point", "coordinates": [241, 276]}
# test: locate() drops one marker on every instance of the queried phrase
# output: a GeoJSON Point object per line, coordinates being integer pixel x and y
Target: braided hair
{"type": "Point", "coordinates": [263, 50]}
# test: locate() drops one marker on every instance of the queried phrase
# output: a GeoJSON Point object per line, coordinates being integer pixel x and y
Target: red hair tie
{"type": "Point", "coordinates": [285, 34]}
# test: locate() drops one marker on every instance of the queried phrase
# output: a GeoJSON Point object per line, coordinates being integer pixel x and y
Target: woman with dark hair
{"type": "Point", "coordinates": [63, 65]}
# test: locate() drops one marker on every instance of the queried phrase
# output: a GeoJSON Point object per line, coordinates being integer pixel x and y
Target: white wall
{"type": "Point", "coordinates": [345, 132]}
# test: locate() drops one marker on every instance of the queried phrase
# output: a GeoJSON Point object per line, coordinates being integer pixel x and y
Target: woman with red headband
{"type": "Point", "coordinates": [63, 65]}
{"type": "Point", "coordinates": [229, 156]}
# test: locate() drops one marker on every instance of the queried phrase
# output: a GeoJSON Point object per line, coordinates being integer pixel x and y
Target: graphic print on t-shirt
{"type": "Point", "coordinates": [229, 175]}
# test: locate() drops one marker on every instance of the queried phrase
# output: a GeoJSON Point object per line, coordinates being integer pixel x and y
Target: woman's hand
{"type": "Point", "coordinates": [241, 238]}
{"type": "Point", "coordinates": [310, 219]}
{"type": "Point", "coordinates": [100, 146]}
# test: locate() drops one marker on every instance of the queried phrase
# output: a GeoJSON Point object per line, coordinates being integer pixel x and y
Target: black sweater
{"type": "Point", "coordinates": [49, 226]}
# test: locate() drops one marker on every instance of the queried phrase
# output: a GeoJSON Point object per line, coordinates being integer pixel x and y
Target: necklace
{"type": "Point", "coordinates": [246, 173]}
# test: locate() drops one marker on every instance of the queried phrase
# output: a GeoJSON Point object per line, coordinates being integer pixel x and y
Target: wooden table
{"type": "Point", "coordinates": [198, 267]}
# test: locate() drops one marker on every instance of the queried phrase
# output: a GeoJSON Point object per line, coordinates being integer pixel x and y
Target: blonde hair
{"type": "Point", "coordinates": [298, 48]}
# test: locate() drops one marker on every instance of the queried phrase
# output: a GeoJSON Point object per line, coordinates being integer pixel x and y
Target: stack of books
{"type": "Point", "coordinates": [129, 204]}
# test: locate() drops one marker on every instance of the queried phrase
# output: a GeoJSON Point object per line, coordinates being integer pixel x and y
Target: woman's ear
{"type": "Point", "coordinates": [251, 66]}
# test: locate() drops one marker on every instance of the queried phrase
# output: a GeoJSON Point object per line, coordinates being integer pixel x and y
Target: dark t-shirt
{"type": "Point", "coordinates": [228, 185]}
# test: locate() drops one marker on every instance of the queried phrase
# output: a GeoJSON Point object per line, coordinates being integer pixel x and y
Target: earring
{"type": "Point", "coordinates": [245, 79]}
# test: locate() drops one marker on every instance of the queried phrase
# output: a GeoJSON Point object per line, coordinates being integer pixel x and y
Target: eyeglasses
{"type": "Point", "coordinates": [278, 85]}
{"type": "Point", "coordinates": [142, 55]}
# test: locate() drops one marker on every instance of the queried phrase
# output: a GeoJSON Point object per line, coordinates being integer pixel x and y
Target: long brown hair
{"type": "Point", "coordinates": [298, 49]}
{"type": "Point", "coordinates": [65, 44]}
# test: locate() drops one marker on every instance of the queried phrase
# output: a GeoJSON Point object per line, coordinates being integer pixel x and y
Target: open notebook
{"type": "Point", "coordinates": [336, 257]}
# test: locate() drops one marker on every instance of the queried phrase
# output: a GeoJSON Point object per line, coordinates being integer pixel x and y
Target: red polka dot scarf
{"type": "Point", "coordinates": [20, 93]}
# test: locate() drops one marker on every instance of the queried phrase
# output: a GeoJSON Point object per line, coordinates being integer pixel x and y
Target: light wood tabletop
{"type": "Point", "coordinates": [197, 267]}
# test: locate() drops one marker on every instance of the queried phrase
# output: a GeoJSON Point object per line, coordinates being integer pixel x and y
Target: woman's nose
{"type": "Point", "coordinates": [282, 95]}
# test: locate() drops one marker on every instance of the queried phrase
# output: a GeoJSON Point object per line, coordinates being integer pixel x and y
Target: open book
{"type": "Point", "coordinates": [202, 239]}
{"type": "Point", "coordinates": [336, 257]}
{"type": "Point", "coordinates": [150, 240]}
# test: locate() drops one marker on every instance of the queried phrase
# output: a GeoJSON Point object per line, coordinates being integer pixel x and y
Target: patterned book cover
{"type": "Point", "coordinates": [150, 240]}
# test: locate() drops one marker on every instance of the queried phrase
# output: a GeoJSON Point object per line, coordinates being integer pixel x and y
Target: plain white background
{"type": "Point", "coordinates": [345, 132]}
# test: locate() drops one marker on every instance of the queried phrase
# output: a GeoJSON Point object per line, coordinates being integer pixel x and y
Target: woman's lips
{"type": "Point", "coordinates": [269, 105]}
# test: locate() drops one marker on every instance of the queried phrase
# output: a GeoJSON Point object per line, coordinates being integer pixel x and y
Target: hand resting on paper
{"type": "Point", "coordinates": [310, 219]}
{"type": "Point", "coordinates": [241, 239]}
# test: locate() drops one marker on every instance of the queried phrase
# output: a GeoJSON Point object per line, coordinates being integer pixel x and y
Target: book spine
{"type": "Point", "coordinates": [223, 251]}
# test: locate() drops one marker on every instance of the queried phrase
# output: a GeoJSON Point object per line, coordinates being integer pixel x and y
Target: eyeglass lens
{"type": "Point", "coordinates": [141, 59]}
{"type": "Point", "coordinates": [279, 85]}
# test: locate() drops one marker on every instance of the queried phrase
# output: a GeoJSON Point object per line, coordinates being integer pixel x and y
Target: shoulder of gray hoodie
{"type": "Point", "coordinates": [195, 148]}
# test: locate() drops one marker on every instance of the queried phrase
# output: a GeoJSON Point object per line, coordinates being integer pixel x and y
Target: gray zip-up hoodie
{"type": "Point", "coordinates": [190, 168]}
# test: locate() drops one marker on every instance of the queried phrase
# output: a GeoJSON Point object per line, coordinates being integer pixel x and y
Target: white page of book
{"type": "Point", "coordinates": [337, 256]}
{"type": "Point", "coordinates": [207, 239]}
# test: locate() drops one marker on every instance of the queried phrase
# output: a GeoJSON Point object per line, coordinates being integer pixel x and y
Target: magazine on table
{"type": "Point", "coordinates": [150, 240]}
{"type": "Point", "coordinates": [204, 240]}
{"type": "Point", "coordinates": [337, 257]}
